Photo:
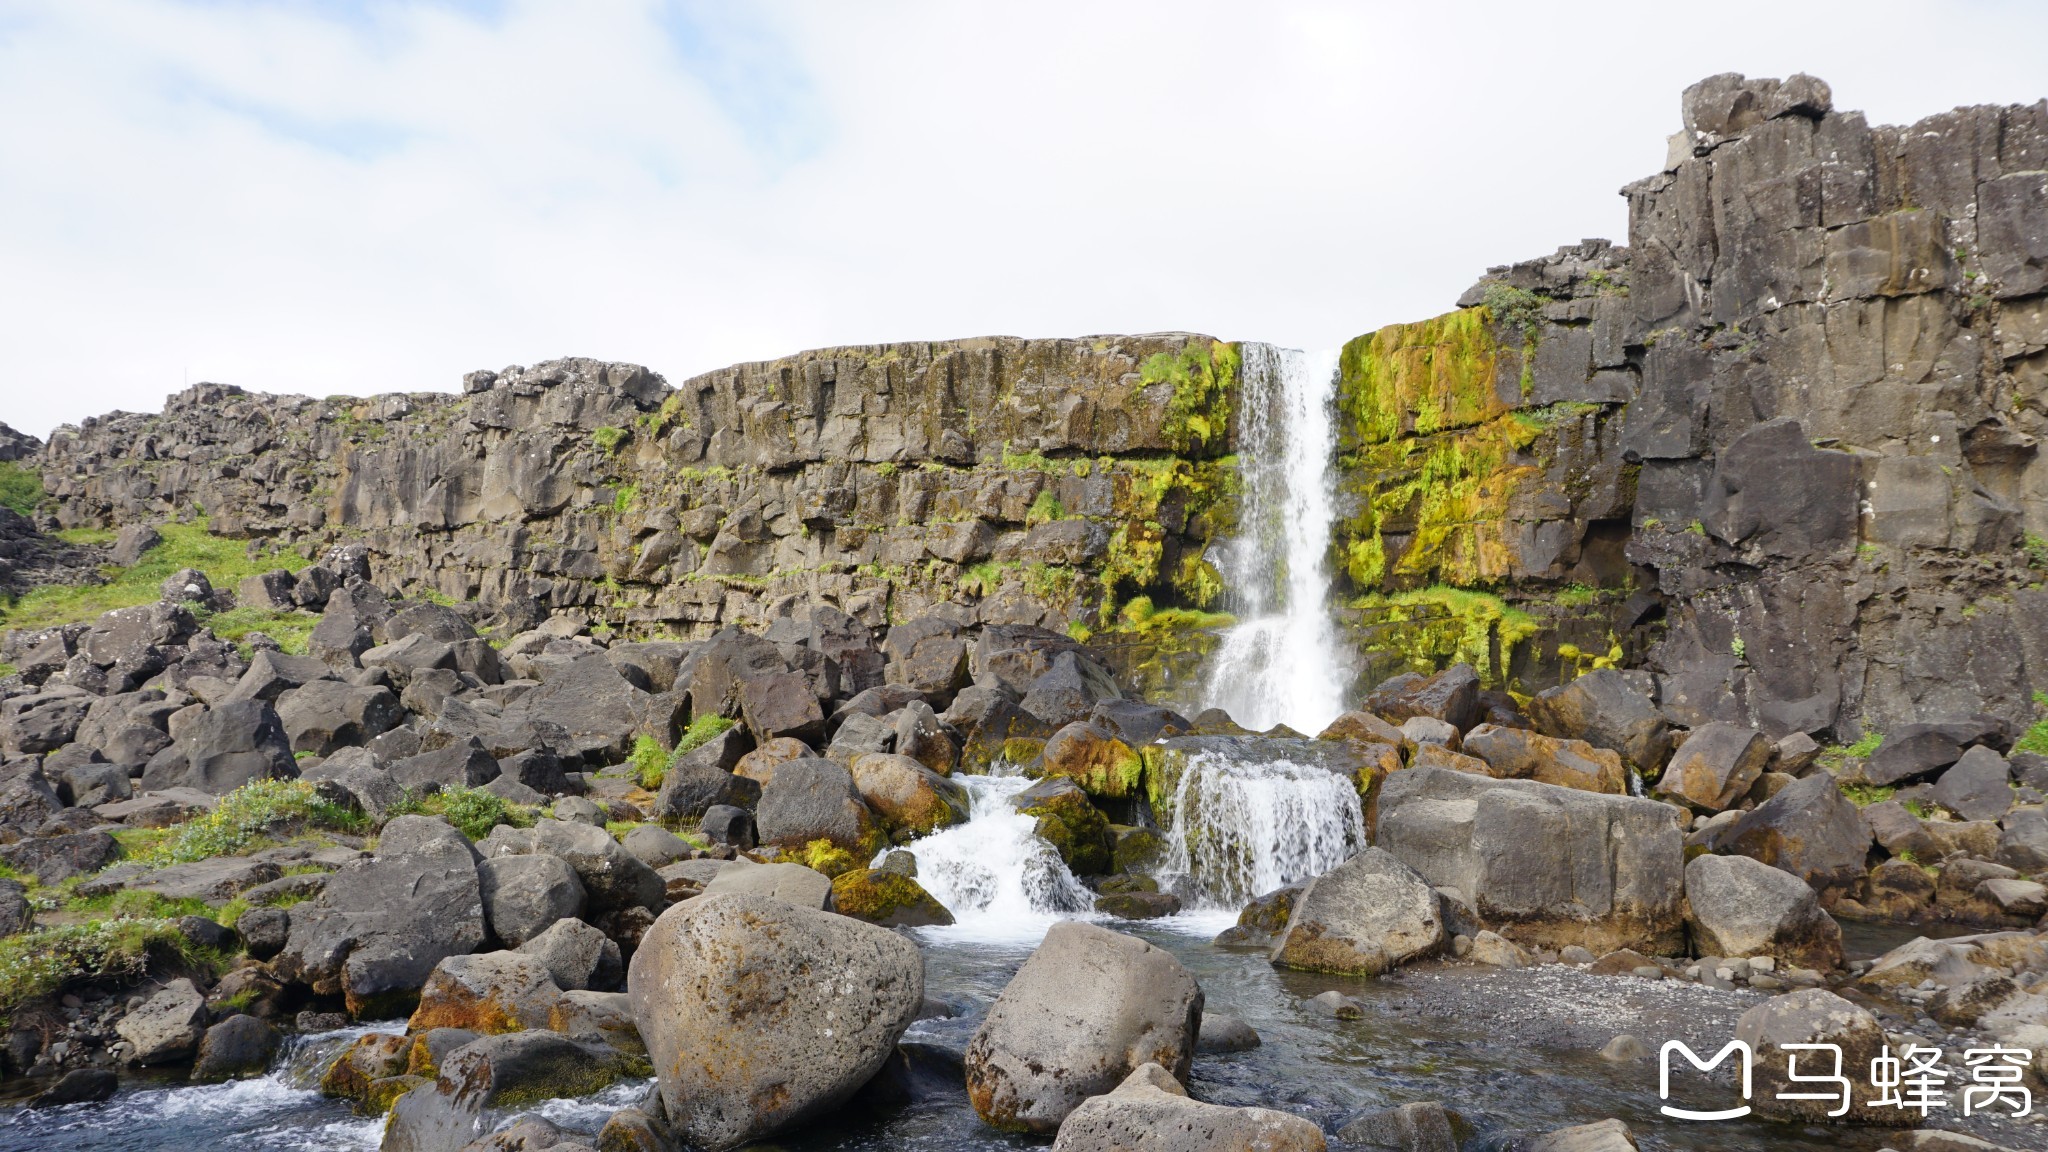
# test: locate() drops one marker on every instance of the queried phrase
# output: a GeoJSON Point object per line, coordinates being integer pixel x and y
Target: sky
{"type": "Point", "coordinates": [358, 196]}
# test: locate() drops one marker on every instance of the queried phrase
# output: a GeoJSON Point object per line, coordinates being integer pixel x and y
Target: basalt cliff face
{"type": "Point", "coordinates": [1780, 451]}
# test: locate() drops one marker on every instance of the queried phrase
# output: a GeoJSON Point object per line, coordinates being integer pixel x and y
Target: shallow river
{"type": "Point", "coordinates": [1514, 1051]}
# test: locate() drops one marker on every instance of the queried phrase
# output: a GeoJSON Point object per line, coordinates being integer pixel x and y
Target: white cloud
{"type": "Point", "coordinates": [361, 196]}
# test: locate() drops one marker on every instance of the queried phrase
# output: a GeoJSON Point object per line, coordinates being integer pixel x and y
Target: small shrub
{"type": "Point", "coordinates": [249, 812]}
{"type": "Point", "coordinates": [649, 762]}
{"type": "Point", "coordinates": [1046, 509]}
{"type": "Point", "coordinates": [608, 438]}
{"type": "Point", "coordinates": [701, 731]}
{"type": "Point", "coordinates": [2037, 551]}
{"type": "Point", "coordinates": [471, 811]}
{"type": "Point", "coordinates": [42, 961]}
{"type": "Point", "coordinates": [1513, 307]}
{"type": "Point", "coordinates": [21, 487]}
{"type": "Point", "coordinates": [2036, 737]}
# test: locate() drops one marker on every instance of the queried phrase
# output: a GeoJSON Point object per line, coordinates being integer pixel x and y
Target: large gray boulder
{"type": "Point", "coordinates": [382, 925]}
{"type": "Point", "coordinates": [168, 1026]}
{"type": "Point", "coordinates": [325, 716]}
{"type": "Point", "coordinates": [1543, 865]}
{"type": "Point", "coordinates": [1814, 1016]}
{"type": "Point", "coordinates": [1808, 829]}
{"type": "Point", "coordinates": [597, 708]}
{"type": "Point", "coordinates": [1602, 709]}
{"type": "Point", "coordinates": [1361, 918]}
{"type": "Point", "coordinates": [612, 877]}
{"type": "Point", "coordinates": [812, 799]}
{"type": "Point", "coordinates": [579, 957]}
{"type": "Point", "coordinates": [525, 895]}
{"type": "Point", "coordinates": [759, 1015]}
{"type": "Point", "coordinates": [1151, 1112]}
{"type": "Point", "coordinates": [1737, 906]}
{"type": "Point", "coordinates": [1716, 766]}
{"type": "Point", "coordinates": [1087, 1009]}
{"type": "Point", "coordinates": [223, 748]}
{"type": "Point", "coordinates": [1977, 787]}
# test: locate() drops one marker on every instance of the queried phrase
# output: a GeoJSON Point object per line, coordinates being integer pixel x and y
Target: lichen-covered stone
{"type": "Point", "coordinates": [880, 896]}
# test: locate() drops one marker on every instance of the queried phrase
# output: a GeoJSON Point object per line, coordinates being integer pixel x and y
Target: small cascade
{"type": "Point", "coordinates": [993, 872]}
{"type": "Point", "coordinates": [1280, 665]}
{"type": "Point", "coordinates": [1237, 828]}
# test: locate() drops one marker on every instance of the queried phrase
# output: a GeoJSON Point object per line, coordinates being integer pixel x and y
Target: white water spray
{"type": "Point", "coordinates": [1279, 665]}
{"type": "Point", "coordinates": [1236, 829]}
{"type": "Point", "coordinates": [993, 873]}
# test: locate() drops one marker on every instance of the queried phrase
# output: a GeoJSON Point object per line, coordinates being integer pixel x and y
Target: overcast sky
{"type": "Point", "coordinates": [358, 196]}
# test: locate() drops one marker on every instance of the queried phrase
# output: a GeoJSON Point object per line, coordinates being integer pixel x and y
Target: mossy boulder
{"type": "Point", "coordinates": [376, 1057]}
{"type": "Point", "coordinates": [1136, 849]}
{"type": "Point", "coordinates": [908, 796]}
{"type": "Point", "coordinates": [487, 993]}
{"type": "Point", "coordinates": [1066, 820]}
{"type": "Point", "coordinates": [1093, 757]}
{"type": "Point", "coordinates": [1262, 920]}
{"type": "Point", "coordinates": [885, 897]}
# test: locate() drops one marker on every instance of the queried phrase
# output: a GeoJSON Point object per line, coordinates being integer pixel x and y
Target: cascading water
{"type": "Point", "coordinates": [1279, 665]}
{"type": "Point", "coordinates": [993, 873]}
{"type": "Point", "coordinates": [1236, 828]}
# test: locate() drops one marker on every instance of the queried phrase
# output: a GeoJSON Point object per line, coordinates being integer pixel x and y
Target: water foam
{"type": "Point", "coordinates": [1236, 829]}
{"type": "Point", "coordinates": [995, 875]}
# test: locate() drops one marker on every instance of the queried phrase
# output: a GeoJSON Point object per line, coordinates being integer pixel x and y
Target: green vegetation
{"type": "Point", "coordinates": [1448, 625]}
{"type": "Point", "coordinates": [292, 629]}
{"type": "Point", "coordinates": [1864, 795]}
{"type": "Point", "coordinates": [7, 670]}
{"type": "Point", "coordinates": [1575, 596]}
{"type": "Point", "coordinates": [827, 857]}
{"type": "Point", "coordinates": [1046, 508]}
{"type": "Point", "coordinates": [650, 764]}
{"type": "Point", "coordinates": [21, 487]}
{"type": "Point", "coordinates": [43, 961]}
{"type": "Point", "coordinates": [226, 563]}
{"type": "Point", "coordinates": [1737, 648]}
{"type": "Point", "coordinates": [2037, 551]}
{"type": "Point", "coordinates": [1515, 308]}
{"type": "Point", "coordinates": [1834, 756]}
{"type": "Point", "coordinates": [623, 499]}
{"type": "Point", "coordinates": [2036, 737]}
{"type": "Point", "coordinates": [1204, 383]}
{"type": "Point", "coordinates": [255, 810]}
{"type": "Point", "coordinates": [471, 811]}
{"type": "Point", "coordinates": [609, 438]}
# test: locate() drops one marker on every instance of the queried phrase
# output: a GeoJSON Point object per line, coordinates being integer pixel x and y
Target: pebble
{"type": "Point", "coordinates": [1624, 1049]}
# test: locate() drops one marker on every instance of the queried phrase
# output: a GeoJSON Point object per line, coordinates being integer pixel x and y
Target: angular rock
{"type": "Point", "coordinates": [1977, 787]}
{"type": "Point", "coordinates": [1602, 709]}
{"type": "Point", "coordinates": [168, 1026]}
{"type": "Point", "coordinates": [1086, 1010]}
{"type": "Point", "coordinates": [486, 993]}
{"type": "Point", "coordinates": [1813, 1016]}
{"type": "Point", "coordinates": [726, 994]}
{"type": "Point", "coordinates": [907, 795]}
{"type": "Point", "coordinates": [1152, 1112]}
{"type": "Point", "coordinates": [578, 958]}
{"type": "Point", "coordinates": [381, 926]}
{"type": "Point", "coordinates": [1716, 766]}
{"type": "Point", "coordinates": [1521, 754]}
{"type": "Point", "coordinates": [1369, 914]}
{"type": "Point", "coordinates": [524, 896]}
{"type": "Point", "coordinates": [497, 1072]}
{"type": "Point", "coordinates": [1739, 907]}
{"type": "Point", "coordinates": [239, 1047]}
{"type": "Point", "coordinates": [1451, 696]}
{"type": "Point", "coordinates": [813, 800]}
{"type": "Point", "coordinates": [1810, 830]}
{"type": "Point", "coordinates": [223, 748]}
{"type": "Point", "coordinates": [1544, 866]}
{"type": "Point", "coordinates": [612, 877]}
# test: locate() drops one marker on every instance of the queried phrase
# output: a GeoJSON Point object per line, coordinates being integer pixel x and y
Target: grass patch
{"type": "Point", "coordinates": [1864, 795]}
{"type": "Point", "coordinates": [43, 961]}
{"type": "Point", "coordinates": [472, 811]}
{"type": "Point", "coordinates": [291, 628]}
{"type": "Point", "coordinates": [2036, 737]}
{"type": "Point", "coordinates": [650, 764]}
{"type": "Point", "coordinates": [130, 904]}
{"type": "Point", "coordinates": [608, 438]}
{"type": "Point", "coordinates": [21, 487]}
{"type": "Point", "coordinates": [226, 562]}
{"type": "Point", "coordinates": [247, 814]}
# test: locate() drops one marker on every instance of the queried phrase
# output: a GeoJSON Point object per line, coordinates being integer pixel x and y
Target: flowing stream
{"type": "Point", "coordinates": [1238, 827]}
{"type": "Point", "coordinates": [1279, 664]}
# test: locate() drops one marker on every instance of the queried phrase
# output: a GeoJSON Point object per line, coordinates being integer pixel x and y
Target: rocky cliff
{"type": "Point", "coordinates": [1781, 449]}
{"type": "Point", "coordinates": [1023, 481]}
{"type": "Point", "coordinates": [1802, 407]}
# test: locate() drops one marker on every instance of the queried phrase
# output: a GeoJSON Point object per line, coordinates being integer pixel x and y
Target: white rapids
{"type": "Point", "coordinates": [1236, 830]}
{"type": "Point", "coordinates": [998, 879]}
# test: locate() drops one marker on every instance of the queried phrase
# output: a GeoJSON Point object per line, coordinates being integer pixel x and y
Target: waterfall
{"type": "Point", "coordinates": [993, 873]}
{"type": "Point", "coordinates": [1238, 828]}
{"type": "Point", "coordinates": [1279, 665]}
